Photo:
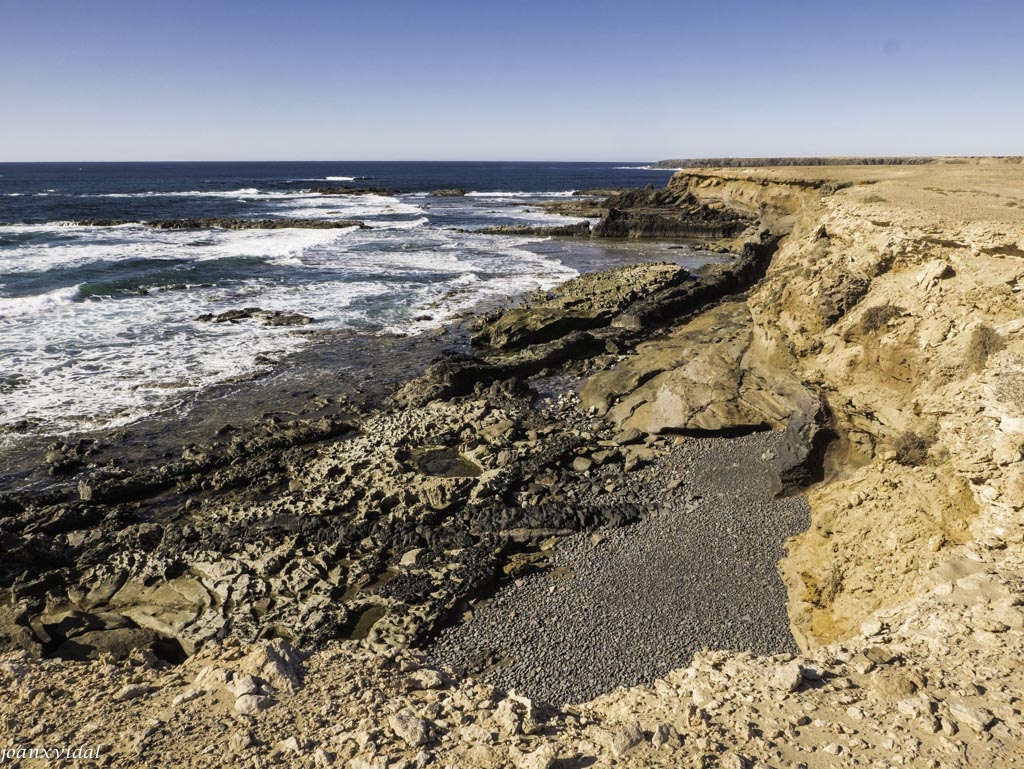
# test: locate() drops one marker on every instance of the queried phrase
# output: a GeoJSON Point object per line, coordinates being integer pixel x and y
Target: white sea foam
{"type": "Point", "coordinates": [80, 246]}
{"type": "Point", "coordinates": [643, 168]}
{"type": "Point", "coordinates": [15, 306]}
{"type": "Point", "coordinates": [564, 194]}
{"type": "Point", "coordinates": [339, 178]}
{"type": "Point", "coordinates": [248, 192]}
{"type": "Point", "coordinates": [91, 362]}
{"type": "Point", "coordinates": [366, 207]}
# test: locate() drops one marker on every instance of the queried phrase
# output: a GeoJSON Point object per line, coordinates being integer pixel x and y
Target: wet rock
{"type": "Point", "coordinates": [579, 230]}
{"type": "Point", "coordinates": [229, 224]}
{"type": "Point", "coordinates": [268, 318]}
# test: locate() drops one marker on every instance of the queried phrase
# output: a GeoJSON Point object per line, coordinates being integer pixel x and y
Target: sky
{"type": "Point", "coordinates": [497, 80]}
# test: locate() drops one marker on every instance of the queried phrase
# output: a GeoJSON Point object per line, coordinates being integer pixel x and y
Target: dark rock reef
{"type": "Point", "coordinates": [267, 317]}
{"type": "Point", "coordinates": [579, 230]}
{"type": "Point", "coordinates": [668, 213]}
{"type": "Point", "coordinates": [223, 223]}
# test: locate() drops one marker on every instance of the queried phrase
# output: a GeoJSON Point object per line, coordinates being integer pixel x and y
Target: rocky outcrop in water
{"type": "Point", "coordinates": [222, 223]}
{"type": "Point", "coordinates": [668, 213]}
{"type": "Point", "coordinates": [384, 191]}
{"type": "Point", "coordinates": [266, 317]}
{"type": "Point", "coordinates": [580, 230]}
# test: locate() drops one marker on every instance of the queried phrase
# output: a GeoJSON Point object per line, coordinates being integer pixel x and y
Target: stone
{"type": "Point", "coordinates": [664, 735]}
{"type": "Point", "coordinates": [788, 677]}
{"type": "Point", "coordinates": [582, 464]}
{"type": "Point", "coordinates": [415, 731]}
{"type": "Point", "coordinates": [625, 738]}
{"type": "Point", "coordinates": [250, 704]}
{"type": "Point", "coordinates": [244, 684]}
{"type": "Point", "coordinates": [508, 719]}
{"type": "Point", "coordinates": [410, 557]}
{"type": "Point", "coordinates": [735, 761]}
{"type": "Point", "coordinates": [977, 718]}
{"type": "Point", "coordinates": [425, 678]}
{"type": "Point", "coordinates": [541, 758]}
{"type": "Point", "coordinates": [288, 746]}
{"type": "Point", "coordinates": [133, 692]}
{"type": "Point", "coordinates": [240, 741]}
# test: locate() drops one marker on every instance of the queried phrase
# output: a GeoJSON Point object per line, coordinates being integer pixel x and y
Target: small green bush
{"type": "Point", "coordinates": [878, 317]}
{"type": "Point", "coordinates": [984, 341]}
{"type": "Point", "coordinates": [912, 449]}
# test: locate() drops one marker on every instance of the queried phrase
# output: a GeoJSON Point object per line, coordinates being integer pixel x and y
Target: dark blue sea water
{"type": "Point", "coordinates": [98, 325]}
{"type": "Point", "coordinates": [47, 192]}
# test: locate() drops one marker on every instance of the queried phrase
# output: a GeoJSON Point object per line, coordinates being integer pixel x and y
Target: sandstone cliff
{"type": "Point", "coordinates": [895, 298]}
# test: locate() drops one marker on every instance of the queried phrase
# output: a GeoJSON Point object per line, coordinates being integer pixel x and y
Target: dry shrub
{"type": "Point", "coordinates": [879, 316]}
{"type": "Point", "coordinates": [984, 341]}
{"type": "Point", "coordinates": [912, 448]}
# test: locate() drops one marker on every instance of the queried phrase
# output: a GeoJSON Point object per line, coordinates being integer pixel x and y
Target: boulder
{"type": "Point", "coordinates": [700, 378]}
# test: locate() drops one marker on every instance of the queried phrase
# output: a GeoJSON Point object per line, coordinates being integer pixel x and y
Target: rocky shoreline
{"type": "Point", "coordinates": [210, 590]}
{"type": "Point", "coordinates": [369, 507]}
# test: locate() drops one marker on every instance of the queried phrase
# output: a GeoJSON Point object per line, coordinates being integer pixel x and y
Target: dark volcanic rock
{"type": "Point", "coordinates": [800, 457]}
{"type": "Point", "coordinates": [579, 230]}
{"type": "Point", "coordinates": [666, 213]}
{"type": "Point", "coordinates": [587, 302]}
{"type": "Point", "coordinates": [267, 317]}
{"type": "Point", "coordinates": [229, 224]}
{"type": "Point", "coordinates": [452, 192]}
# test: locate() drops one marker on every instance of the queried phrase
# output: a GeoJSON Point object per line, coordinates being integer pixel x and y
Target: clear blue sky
{"type": "Point", "coordinates": [557, 79]}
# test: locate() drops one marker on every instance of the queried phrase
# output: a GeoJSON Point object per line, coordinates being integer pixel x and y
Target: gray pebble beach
{"type": "Point", "coordinates": [699, 571]}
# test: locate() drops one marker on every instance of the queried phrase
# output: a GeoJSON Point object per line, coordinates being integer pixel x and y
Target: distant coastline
{"type": "Point", "coordinates": [797, 161]}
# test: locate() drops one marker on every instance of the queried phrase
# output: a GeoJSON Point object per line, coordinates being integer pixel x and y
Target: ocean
{"type": "Point", "coordinates": [99, 325]}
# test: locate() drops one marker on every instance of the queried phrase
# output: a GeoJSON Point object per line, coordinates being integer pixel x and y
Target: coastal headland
{"type": "Point", "coordinates": [842, 395]}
